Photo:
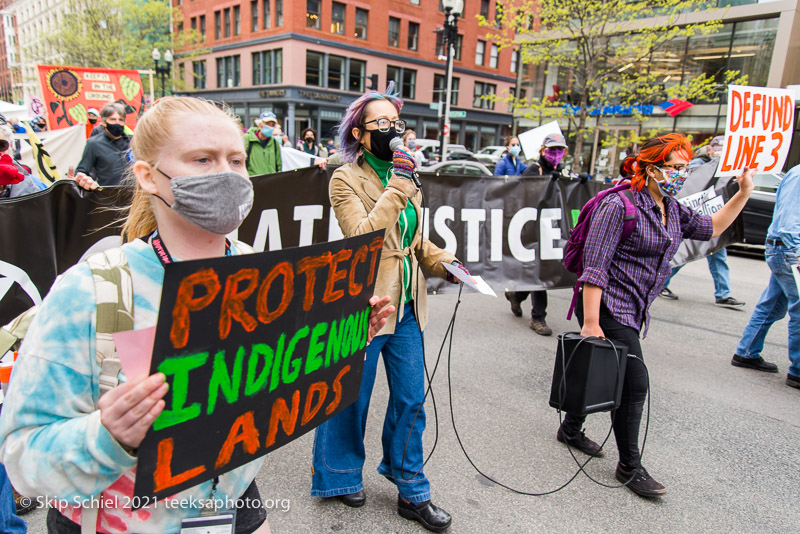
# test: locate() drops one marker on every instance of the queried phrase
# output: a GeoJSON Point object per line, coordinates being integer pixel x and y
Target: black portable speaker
{"type": "Point", "coordinates": [593, 377]}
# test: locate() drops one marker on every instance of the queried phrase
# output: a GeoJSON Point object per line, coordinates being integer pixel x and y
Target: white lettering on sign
{"type": "Point", "coordinates": [443, 214]}
{"type": "Point", "coordinates": [518, 221]}
{"type": "Point", "coordinates": [99, 86]}
{"type": "Point", "coordinates": [473, 217]}
{"type": "Point", "coordinates": [550, 234]}
{"type": "Point", "coordinates": [96, 76]}
{"type": "Point", "coordinates": [94, 95]}
{"type": "Point", "coordinates": [307, 215]}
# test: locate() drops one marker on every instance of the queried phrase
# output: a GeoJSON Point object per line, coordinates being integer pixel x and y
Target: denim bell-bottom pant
{"type": "Point", "coordinates": [339, 443]}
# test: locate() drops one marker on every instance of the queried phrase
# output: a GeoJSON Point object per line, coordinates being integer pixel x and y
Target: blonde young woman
{"type": "Point", "coordinates": [60, 439]}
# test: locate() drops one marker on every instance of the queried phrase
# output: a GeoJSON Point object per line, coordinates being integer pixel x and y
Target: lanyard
{"type": "Point", "coordinates": [163, 254]}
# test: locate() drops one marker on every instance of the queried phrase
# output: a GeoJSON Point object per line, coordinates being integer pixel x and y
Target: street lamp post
{"type": "Point", "coordinates": [163, 73]}
{"type": "Point", "coordinates": [452, 9]}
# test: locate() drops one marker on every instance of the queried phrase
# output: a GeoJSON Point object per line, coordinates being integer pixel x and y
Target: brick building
{"type": "Point", "coordinates": [307, 60]}
{"type": "Point", "coordinates": [9, 67]}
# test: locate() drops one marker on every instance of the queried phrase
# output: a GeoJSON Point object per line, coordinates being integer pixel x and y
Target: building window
{"type": "Point", "coordinates": [493, 57]}
{"type": "Point", "coordinates": [265, 14]}
{"type": "Point", "coordinates": [199, 74]}
{"type": "Point", "coordinates": [313, 14]}
{"type": "Point", "coordinates": [459, 42]}
{"type": "Point", "coordinates": [278, 12]}
{"type": "Point", "coordinates": [268, 67]}
{"type": "Point", "coordinates": [203, 27]}
{"type": "Point", "coordinates": [394, 31]}
{"type": "Point", "coordinates": [480, 51]}
{"type": "Point", "coordinates": [336, 72]}
{"type": "Point", "coordinates": [227, 22]}
{"type": "Point", "coordinates": [314, 68]}
{"type": "Point", "coordinates": [217, 25]}
{"type": "Point", "coordinates": [237, 20]}
{"type": "Point", "coordinates": [337, 17]}
{"type": "Point", "coordinates": [485, 9]}
{"type": "Point", "coordinates": [514, 60]}
{"type": "Point", "coordinates": [254, 16]}
{"type": "Point", "coordinates": [440, 48]}
{"type": "Point", "coordinates": [194, 24]}
{"type": "Point", "coordinates": [404, 79]}
{"type": "Point", "coordinates": [440, 89]}
{"type": "Point", "coordinates": [228, 73]}
{"type": "Point", "coordinates": [483, 89]}
{"type": "Point", "coordinates": [413, 36]}
{"type": "Point", "coordinates": [362, 19]}
{"type": "Point", "coordinates": [356, 76]}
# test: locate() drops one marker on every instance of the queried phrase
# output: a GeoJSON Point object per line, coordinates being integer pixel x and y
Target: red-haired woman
{"type": "Point", "coordinates": [622, 279]}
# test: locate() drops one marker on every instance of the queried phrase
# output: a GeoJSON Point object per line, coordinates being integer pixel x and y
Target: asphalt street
{"type": "Point", "coordinates": [722, 439]}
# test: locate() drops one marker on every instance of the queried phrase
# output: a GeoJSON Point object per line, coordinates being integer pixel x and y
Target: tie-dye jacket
{"type": "Point", "coordinates": [53, 444]}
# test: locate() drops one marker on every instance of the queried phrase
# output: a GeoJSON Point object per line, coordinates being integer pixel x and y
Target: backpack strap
{"type": "Point", "coordinates": [114, 294]}
{"type": "Point", "coordinates": [247, 158]}
{"type": "Point", "coordinates": [629, 218]}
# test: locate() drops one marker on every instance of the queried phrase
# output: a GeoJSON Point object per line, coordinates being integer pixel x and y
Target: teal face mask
{"type": "Point", "coordinates": [515, 150]}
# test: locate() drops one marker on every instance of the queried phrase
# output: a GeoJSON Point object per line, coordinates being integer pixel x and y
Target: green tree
{"type": "Point", "coordinates": [119, 34]}
{"type": "Point", "coordinates": [614, 52]}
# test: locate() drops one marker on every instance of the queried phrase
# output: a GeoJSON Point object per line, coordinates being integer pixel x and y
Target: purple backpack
{"type": "Point", "coordinates": [573, 253]}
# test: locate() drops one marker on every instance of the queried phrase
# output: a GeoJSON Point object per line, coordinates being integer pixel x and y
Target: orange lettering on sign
{"type": "Point", "coordinates": [243, 431]}
{"type": "Point", "coordinates": [233, 302]}
{"type": "Point", "coordinates": [281, 414]}
{"type": "Point", "coordinates": [282, 269]}
{"type": "Point", "coordinates": [309, 266]}
{"type": "Point", "coordinates": [162, 476]}
{"type": "Point", "coordinates": [335, 275]}
{"type": "Point", "coordinates": [186, 302]}
{"type": "Point", "coordinates": [337, 389]}
{"type": "Point", "coordinates": [321, 388]}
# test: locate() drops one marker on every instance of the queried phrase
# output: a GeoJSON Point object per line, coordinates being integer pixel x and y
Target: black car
{"type": "Point", "coordinates": [757, 212]}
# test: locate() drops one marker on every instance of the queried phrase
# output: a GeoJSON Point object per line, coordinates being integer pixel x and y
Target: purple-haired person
{"type": "Point", "coordinates": [374, 190]}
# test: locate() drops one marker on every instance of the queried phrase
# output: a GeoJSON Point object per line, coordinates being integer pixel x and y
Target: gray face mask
{"type": "Point", "coordinates": [217, 203]}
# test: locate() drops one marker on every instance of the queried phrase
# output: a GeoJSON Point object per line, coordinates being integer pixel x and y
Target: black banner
{"type": "Point", "coordinates": [258, 349]}
{"type": "Point", "coordinates": [510, 230]}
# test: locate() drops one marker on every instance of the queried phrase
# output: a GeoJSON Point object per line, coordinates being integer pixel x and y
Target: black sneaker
{"type": "Point", "coordinates": [516, 307]}
{"type": "Point", "coordinates": [793, 381]}
{"type": "Point", "coordinates": [754, 363]}
{"type": "Point", "coordinates": [667, 294]}
{"type": "Point", "coordinates": [640, 482]}
{"type": "Point", "coordinates": [428, 514]}
{"type": "Point", "coordinates": [729, 302]}
{"type": "Point", "coordinates": [580, 442]}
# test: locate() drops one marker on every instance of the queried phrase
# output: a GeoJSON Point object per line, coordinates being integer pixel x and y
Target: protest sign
{"type": "Point", "coordinates": [70, 91]}
{"type": "Point", "coordinates": [531, 141]}
{"type": "Point", "coordinates": [758, 130]}
{"type": "Point", "coordinates": [258, 349]}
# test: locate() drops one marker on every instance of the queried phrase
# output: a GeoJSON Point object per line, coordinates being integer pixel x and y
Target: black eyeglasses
{"type": "Point", "coordinates": [384, 125]}
{"type": "Point", "coordinates": [3, 120]}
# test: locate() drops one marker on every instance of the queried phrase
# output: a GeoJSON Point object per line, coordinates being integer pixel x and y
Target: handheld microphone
{"type": "Point", "coordinates": [404, 163]}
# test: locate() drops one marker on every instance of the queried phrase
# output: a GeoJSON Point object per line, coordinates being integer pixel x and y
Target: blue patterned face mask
{"type": "Point", "coordinates": [673, 181]}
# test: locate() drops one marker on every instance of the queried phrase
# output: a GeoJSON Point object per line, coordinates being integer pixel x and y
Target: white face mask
{"type": "Point", "coordinates": [216, 203]}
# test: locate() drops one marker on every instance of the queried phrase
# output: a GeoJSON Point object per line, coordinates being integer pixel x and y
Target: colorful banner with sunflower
{"type": "Point", "coordinates": [70, 91]}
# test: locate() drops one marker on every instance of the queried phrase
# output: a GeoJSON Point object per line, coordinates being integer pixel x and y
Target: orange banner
{"type": "Point", "coordinates": [70, 91]}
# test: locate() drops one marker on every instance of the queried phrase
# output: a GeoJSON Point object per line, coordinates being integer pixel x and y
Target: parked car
{"type": "Point", "coordinates": [431, 152]}
{"type": "Point", "coordinates": [459, 167]}
{"type": "Point", "coordinates": [490, 154]}
{"type": "Point", "coordinates": [757, 213]}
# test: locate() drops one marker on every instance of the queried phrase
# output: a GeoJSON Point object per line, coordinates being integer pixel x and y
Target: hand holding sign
{"type": "Point", "coordinates": [378, 314]}
{"type": "Point", "coordinates": [128, 410]}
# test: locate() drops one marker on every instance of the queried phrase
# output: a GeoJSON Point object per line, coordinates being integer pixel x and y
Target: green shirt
{"type": "Point", "coordinates": [407, 221]}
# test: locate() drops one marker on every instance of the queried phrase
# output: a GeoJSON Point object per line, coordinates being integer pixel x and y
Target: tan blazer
{"type": "Point", "coordinates": [363, 205]}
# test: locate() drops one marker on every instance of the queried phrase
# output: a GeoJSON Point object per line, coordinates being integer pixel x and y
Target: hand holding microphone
{"type": "Point", "coordinates": [404, 163]}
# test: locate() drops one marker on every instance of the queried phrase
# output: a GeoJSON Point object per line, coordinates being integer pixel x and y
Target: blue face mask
{"type": "Point", "coordinates": [515, 150]}
{"type": "Point", "coordinates": [266, 131]}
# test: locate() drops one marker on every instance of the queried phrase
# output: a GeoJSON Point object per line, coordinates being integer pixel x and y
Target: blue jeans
{"type": "Point", "coordinates": [779, 297]}
{"type": "Point", "coordinates": [9, 521]}
{"type": "Point", "coordinates": [339, 442]}
{"type": "Point", "coordinates": [718, 267]}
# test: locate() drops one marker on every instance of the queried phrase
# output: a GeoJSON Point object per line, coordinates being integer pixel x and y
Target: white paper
{"type": "Point", "coordinates": [531, 140]}
{"type": "Point", "coordinates": [758, 129]}
{"type": "Point", "coordinates": [475, 282]}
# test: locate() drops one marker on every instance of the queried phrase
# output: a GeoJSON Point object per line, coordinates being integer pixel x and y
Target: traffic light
{"type": "Point", "coordinates": [372, 82]}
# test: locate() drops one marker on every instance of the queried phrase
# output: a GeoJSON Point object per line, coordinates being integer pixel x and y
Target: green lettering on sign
{"type": "Point", "coordinates": [179, 367]}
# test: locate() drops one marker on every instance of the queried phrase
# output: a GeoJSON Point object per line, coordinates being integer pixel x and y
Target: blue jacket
{"type": "Point", "coordinates": [507, 166]}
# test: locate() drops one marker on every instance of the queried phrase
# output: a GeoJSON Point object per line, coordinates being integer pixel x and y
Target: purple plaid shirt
{"type": "Point", "coordinates": [633, 272]}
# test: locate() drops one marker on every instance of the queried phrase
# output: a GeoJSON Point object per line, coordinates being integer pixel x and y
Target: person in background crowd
{"type": "Point", "coordinates": [106, 157]}
{"type": "Point", "coordinates": [16, 179]}
{"type": "Point", "coordinates": [263, 149]}
{"type": "Point", "coordinates": [66, 440]}
{"type": "Point", "coordinates": [16, 126]}
{"type": "Point", "coordinates": [718, 261]}
{"type": "Point", "coordinates": [374, 190]}
{"type": "Point", "coordinates": [310, 145]}
{"type": "Point", "coordinates": [410, 142]}
{"type": "Point", "coordinates": [92, 116]}
{"type": "Point", "coordinates": [511, 164]}
{"type": "Point", "coordinates": [781, 295]}
{"type": "Point", "coordinates": [621, 279]}
{"type": "Point", "coordinates": [553, 149]}
{"type": "Point", "coordinates": [330, 147]}
{"type": "Point", "coordinates": [99, 128]}
{"type": "Point", "coordinates": [39, 124]}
